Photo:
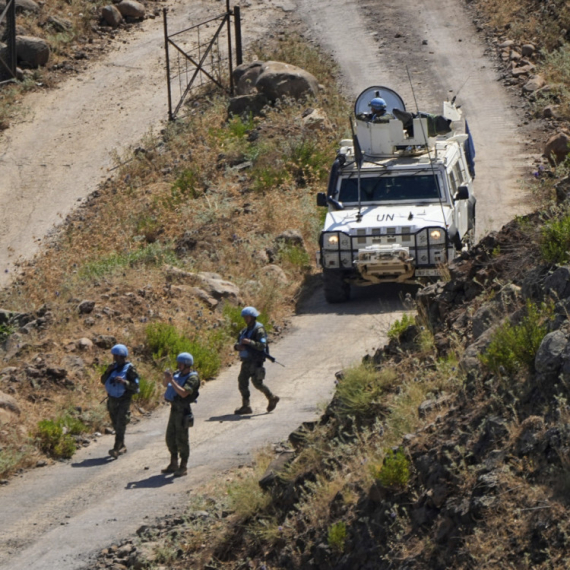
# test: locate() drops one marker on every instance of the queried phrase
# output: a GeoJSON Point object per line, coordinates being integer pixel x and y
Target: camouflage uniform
{"type": "Point", "coordinates": [181, 417]}
{"type": "Point", "coordinates": [253, 357]}
{"type": "Point", "coordinates": [118, 407]}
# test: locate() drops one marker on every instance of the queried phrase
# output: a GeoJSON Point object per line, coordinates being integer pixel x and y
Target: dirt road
{"type": "Point", "coordinates": [58, 517]}
{"type": "Point", "coordinates": [62, 149]}
{"type": "Point", "coordinates": [379, 43]}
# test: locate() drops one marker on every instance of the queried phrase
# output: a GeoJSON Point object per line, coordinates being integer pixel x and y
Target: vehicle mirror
{"type": "Point", "coordinates": [462, 193]}
{"type": "Point", "coordinates": [321, 199]}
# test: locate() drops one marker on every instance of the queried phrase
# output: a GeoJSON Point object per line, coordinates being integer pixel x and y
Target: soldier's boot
{"type": "Point", "coordinates": [173, 467]}
{"type": "Point", "coordinates": [115, 451]}
{"type": "Point", "coordinates": [120, 448]}
{"type": "Point", "coordinates": [183, 469]}
{"type": "Point", "coordinates": [272, 403]}
{"type": "Point", "coordinates": [245, 408]}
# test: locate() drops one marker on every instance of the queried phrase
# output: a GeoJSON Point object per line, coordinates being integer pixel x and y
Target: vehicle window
{"type": "Point", "coordinates": [389, 188]}
{"type": "Point", "coordinates": [453, 182]}
{"type": "Point", "coordinates": [458, 174]}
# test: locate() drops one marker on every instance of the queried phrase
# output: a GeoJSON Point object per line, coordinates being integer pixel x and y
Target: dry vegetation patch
{"type": "Point", "coordinates": [208, 195]}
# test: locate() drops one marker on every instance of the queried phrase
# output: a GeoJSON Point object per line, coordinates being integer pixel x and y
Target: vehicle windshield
{"type": "Point", "coordinates": [389, 188]}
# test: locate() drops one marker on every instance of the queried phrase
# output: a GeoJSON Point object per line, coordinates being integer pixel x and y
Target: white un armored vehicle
{"type": "Point", "coordinates": [400, 196]}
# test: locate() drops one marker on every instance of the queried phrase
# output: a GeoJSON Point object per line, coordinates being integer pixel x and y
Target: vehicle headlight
{"type": "Point", "coordinates": [330, 241]}
{"type": "Point", "coordinates": [435, 234]}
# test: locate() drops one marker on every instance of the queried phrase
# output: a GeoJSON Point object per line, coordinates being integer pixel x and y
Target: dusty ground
{"type": "Point", "coordinates": [72, 130]}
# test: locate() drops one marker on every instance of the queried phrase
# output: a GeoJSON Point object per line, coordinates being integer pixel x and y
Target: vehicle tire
{"type": "Point", "coordinates": [335, 287]}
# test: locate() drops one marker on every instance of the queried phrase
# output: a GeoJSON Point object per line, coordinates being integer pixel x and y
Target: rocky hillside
{"type": "Point", "coordinates": [448, 448]}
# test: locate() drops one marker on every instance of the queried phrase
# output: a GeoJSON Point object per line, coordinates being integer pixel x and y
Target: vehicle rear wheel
{"type": "Point", "coordinates": [335, 287]}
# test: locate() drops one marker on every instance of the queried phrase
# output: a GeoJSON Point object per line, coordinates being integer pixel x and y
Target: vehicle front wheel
{"type": "Point", "coordinates": [336, 289]}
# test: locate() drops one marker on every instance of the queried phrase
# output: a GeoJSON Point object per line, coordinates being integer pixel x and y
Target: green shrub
{"type": "Point", "coordinates": [186, 186]}
{"type": "Point", "coordinates": [55, 437]}
{"type": "Point", "coordinates": [239, 128]}
{"type": "Point", "coordinates": [10, 458]}
{"type": "Point", "coordinates": [337, 536]}
{"type": "Point", "coordinates": [555, 240]}
{"type": "Point", "coordinates": [400, 325]}
{"type": "Point", "coordinates": [269, 177]}
{"type": "Point", "coordinates": [295, 255]}
{"type": "Point", "coordinates": [395, 470]}
{"type": "Point", "coordinates": [5, 332]}
{"type": "Point", "coordinates": [515, 346]}
{"type": "Point", "coordinates": [246, 497]}
{"type": "Point", "coordinates": [308, 162]}
{"type": "Point", "coordinates": [153, 254]}
{"type": "Point", "coordinates": [147, 391]}
{"type": "Point", "coordinates": [361, 387]}
{"type": "Point", "coordinates": [166, 343]}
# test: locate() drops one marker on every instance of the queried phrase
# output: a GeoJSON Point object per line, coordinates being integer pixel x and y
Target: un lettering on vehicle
{"type": "Point", "coordinates": [385, 218]}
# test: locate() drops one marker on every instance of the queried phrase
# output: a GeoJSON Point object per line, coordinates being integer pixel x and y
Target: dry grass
{"type": "Point", "coordinates": [116, 248]}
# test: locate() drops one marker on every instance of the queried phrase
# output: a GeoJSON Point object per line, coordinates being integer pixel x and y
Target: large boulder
{"type": "Point", "coordinates": [274, 79]}
{"type": "Point", "coordinates": [131, 9]}
{"type": "Point", "coordinates": [31, 51]}
{"type": "Point", "coordinates": [9, 403]}
{"type": "Point", "coordinates": [557, 148]}
{"type": "Point", "coordinates": [111, 15]}
{"type": "Point", "coordinates": [210, 283]}
{"type": "Point", "coordinates": [279, 79]}
{"type": "Point", "coordinates": [245, 77]}
{"type": "Point", "coordinates": [252, 103]}
{"type": "Point", "coordinates": [549, 355]}
{"type": "Point", "coordinates": [535, 83]}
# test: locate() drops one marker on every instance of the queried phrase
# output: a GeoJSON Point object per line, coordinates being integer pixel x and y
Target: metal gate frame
{"type": "Point", "coordinates": [199, 65]}
{"type": "Point", "coordinates": [9, 64]}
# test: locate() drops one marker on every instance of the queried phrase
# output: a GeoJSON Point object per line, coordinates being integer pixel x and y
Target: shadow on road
{"type": "Point", "coordinates": [153, 482]}
{"type": "Point", "coordinates": [93, 462]}
{"type": "Point", "coordinates": [232, 418]}
{"type": "Point", "coordinates": [374, 299]}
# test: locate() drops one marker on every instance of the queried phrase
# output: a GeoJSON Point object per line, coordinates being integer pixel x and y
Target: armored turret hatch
{"type": "Point", "coordinates": [401, 132]}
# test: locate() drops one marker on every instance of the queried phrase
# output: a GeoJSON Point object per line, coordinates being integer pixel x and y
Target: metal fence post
{"type": "Point", "coordinates": [237, 27]}
{"type": "Point", "coordinates": [230, 66]}
{"type": "Point", "coordinates": [170, 116]}
{"type": "Point", "coordinates": [11, 29]}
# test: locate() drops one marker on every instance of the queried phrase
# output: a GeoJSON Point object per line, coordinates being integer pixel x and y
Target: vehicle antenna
{"type": "Point", "coordinates": [460, 89]}
{"type": "Point", "coordinates": [358, 160]}
{"type": "Point", "coordinates": [431, 160]}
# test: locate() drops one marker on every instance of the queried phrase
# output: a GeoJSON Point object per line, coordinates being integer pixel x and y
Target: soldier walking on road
{"type": "Point", "coordinates": [181, 391]}
{"type": "Point", "coordinates": [252, 348]}
{"type": "Point", "coordinates": [121, 381]}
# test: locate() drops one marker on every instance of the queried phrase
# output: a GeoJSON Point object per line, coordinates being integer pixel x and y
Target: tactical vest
{"type": "Point", "coordinates": [117, 389]}
{"type": "Point", "coordinates": [250, 354]}
{"type": "Point", "coordinates": [171, 394]}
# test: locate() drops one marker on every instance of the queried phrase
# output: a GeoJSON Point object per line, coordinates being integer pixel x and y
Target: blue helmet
{"type": "Point", "coordinates": [250, 312]}
{"type": "Point", "coordinates": [377, 104]}
{"type": "Point", "coordinates": [120, 350]}
{"type": "Point", "coordinates": [185, 358]}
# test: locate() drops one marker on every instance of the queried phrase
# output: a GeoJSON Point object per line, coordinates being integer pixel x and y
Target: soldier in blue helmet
{"type": "Point", "coordinates": [378, 112]}
{"type": "Point", "coordinates": [121, 381]}
{"type": "Point", "coordinates": [252, 346]}
{"type": "Point", "coordinates": [181, 390]}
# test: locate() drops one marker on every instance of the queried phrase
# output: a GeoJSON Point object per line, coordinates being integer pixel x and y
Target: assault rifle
{"type": "Point", "coordinates": [264, 352]}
